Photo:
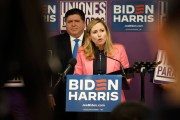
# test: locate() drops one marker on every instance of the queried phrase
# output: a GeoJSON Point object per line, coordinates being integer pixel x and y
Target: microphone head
{"type": "Point", "coordinates": [72, 61]}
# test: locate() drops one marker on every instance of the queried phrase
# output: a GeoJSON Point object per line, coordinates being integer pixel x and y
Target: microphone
{"type": "Point", "coordinates": [71, 63]}
{"type": "Point", "coordinates": [121, 66]}
{"type": "Point", "coordinates": [125, 85]}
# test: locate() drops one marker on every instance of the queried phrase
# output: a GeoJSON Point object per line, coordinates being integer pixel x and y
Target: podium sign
{"type": "Point", "coordinates": [93, 93]}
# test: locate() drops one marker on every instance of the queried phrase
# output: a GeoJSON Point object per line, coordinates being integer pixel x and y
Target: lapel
{"type": "Point", "coordinates": [83, 39]}
{"type": "Point", "coordinates": [88, 66]}
{"type": "Point", "coordinates": [67, 45]}
{"type": "Point", "coordinates": [111, 66]}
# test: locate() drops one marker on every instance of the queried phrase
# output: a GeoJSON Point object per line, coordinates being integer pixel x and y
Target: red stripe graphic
{"type": "Point", "coordinates": [101, 84]}
{"type": "Point", "coordinates": [102, 80]}
{"type": "Point", "coordinates": [100, 88]}
{"type": "Point", "coordinates": [139, 9]}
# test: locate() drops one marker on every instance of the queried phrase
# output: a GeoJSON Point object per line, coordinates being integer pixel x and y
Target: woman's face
{"type": "Point", "coordinates": [98, 35]}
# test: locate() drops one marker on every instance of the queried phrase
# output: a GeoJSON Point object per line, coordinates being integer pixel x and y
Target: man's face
{"type": "Point", "coordinates": [75, 25]}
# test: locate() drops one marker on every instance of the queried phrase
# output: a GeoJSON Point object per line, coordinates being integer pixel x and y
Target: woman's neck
{"type": "Point", "coordinates": [101, 47]}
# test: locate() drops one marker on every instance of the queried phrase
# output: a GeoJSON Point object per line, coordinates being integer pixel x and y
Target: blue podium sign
{"type": "Point", "coordinates": [93, 93]}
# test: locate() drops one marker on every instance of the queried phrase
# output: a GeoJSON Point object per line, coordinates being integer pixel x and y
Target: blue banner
{"type": "Point", "coordinates": [133, 16]}
{"type": "Point", "coordinates": [50, 12]}
{"type": "Point", "coordinates": [93, 93]}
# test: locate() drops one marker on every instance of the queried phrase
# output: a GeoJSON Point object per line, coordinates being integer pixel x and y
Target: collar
{"type": "Point", "coordinates": [80, 38]}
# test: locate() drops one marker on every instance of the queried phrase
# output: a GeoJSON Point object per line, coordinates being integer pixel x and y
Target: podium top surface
{"type": "Point", "coordinates": [129, 74]}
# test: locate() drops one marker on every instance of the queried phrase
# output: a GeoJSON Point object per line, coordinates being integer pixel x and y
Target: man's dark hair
{"type": "Point", "coordinates": [75, 11]}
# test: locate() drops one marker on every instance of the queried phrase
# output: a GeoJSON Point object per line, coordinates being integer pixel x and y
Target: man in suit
{"type": "Point", "coordinates": [64, 44]}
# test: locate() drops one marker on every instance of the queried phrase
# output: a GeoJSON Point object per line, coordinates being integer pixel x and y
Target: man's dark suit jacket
{"type": "Point", "coordinates": [62, 48]}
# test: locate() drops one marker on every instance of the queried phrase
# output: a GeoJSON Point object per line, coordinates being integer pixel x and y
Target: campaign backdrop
{"type": "Point", "coordinates": [91, 9]}
{"type": "Point", "coordinates": [133, 15]}
{"type": "Point", "coordinates": [54, 12]}
{"type": "Point", "coordinates": [138, 41]}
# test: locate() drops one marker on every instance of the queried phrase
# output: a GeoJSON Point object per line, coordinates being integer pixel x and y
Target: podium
{"type": "Point", "coordinates": [129, 73]}
{"type": "Point", "coordinates": [104, 107]}
{"type": "Point", "coordinates": [94, 109]}
{"type": "Point", "coordinates": [93, 93]}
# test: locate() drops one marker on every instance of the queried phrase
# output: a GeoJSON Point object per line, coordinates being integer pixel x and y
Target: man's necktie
{"type": "Point", "coordinates": [75, 47]}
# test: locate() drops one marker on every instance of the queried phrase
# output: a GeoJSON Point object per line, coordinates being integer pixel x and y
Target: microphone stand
{"type": "Point", "coordinates": [60, 79]}
{"type": "Point", "coordinates": [142, 74]}
{"type": "Point", "coordinates": [143, 68]}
